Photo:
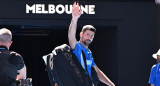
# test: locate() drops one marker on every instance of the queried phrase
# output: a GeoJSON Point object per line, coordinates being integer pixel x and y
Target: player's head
{"type": "Point", "coordinates": [87, 34]}
{"type": "Point", "coordinates": [5, 37]}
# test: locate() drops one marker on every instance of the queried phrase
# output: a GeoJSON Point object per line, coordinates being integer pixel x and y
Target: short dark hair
{"type": "Point", "coordinates": [88, 27]}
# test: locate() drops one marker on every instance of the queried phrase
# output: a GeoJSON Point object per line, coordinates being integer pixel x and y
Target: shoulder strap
{"type": "Point", "coordinates": [94, 76]}
{"type": "Point", "coordinates": [85, 63]}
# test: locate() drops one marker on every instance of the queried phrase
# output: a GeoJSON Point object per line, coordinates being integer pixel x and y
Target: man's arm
{"type": "Point", "coordinates": [22, 74]}
{"type": "Point", "coordinates": [152, 84]}
{"type": "Point", "coordinates": [76, 13]}
{"type": "Point", "coordinates": [102, 77]}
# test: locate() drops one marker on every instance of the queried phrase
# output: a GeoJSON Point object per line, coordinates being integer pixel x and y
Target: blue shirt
{"type": "Point", "coordinates": [155, 75]}
{"type": "Point", "coordinates": [88, 54]}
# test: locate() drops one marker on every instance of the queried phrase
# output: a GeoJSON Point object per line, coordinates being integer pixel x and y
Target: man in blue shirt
{"type": "Point", "coordinates": [154, 79]}
{"type": "Point", "coordinates": [86, 37]}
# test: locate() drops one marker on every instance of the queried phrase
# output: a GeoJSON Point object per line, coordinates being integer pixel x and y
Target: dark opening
{"type": "Point", "coordinates": [33, 43]}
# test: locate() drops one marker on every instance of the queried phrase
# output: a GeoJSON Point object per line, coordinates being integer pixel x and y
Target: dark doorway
{"type": "Point", "coordinates": [33, 43]}
{"type": "Point", "coordinates": [105, 51]}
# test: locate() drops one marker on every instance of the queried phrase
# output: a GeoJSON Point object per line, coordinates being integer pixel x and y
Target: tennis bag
{"type": "Point", "coordinates": [64, 68]}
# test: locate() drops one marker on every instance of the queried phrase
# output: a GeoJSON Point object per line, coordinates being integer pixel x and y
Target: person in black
{"type": "Point", "coordinates": [12, 66]}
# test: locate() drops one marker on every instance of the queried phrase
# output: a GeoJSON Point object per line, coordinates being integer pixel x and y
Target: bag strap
{"type": "Point", "coordinates": [94, 76]}
{"type": "Point", "coordinates": [85, 63]}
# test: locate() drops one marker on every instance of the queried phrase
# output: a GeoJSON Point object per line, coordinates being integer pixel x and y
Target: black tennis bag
{"type": "Point", "coordinates": [64, 68]}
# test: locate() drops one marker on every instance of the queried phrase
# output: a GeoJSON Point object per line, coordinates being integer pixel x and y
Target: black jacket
{"type": "Point", "coordinates": [10, 62]}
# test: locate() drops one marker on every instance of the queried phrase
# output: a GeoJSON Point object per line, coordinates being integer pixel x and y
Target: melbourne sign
{"type": "Point", "coordinates": [59, 9]}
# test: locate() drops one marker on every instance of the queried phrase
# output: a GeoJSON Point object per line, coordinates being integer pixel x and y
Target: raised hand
{"type": "Point", "coordinates": [76, 13]}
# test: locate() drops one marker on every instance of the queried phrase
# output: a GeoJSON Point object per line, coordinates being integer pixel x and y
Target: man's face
{"type": "Point", "coordinates": [158, 58]}
{"type": "Point", "coordinates": [87, 37]}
